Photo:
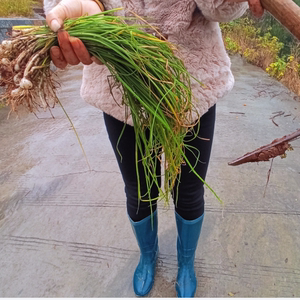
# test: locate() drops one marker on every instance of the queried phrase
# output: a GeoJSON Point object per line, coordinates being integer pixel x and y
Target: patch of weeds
{"type": "Point", "coordinates": [16, 8]}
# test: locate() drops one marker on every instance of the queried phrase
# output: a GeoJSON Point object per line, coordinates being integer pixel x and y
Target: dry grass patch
{"type": "Point", "coordinates": [263, 50]}
{"type": "Point", "coordinates": [16, 8]}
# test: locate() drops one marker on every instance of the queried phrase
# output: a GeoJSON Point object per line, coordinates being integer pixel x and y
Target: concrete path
{"type": "Point", "coordinates": [64, 230]}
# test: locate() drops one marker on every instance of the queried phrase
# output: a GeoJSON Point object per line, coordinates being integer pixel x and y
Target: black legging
{"type": "Point", "coordinates": [190, 198]}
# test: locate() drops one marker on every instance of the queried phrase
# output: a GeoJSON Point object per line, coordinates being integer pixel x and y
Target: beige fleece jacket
{"type": "Point", "coordinates": [190, 24]}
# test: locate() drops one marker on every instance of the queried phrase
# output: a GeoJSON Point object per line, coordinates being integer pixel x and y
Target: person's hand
{"type": "Point", "coordinates": [71, 50]}
{"type": "Point", "coordinates": [254, 5]}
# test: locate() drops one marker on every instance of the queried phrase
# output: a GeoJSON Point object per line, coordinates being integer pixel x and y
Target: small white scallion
{"type": "Point", "coordinates": [17, 79]}
{"type": "Point", "coordinates": [15, 92]}
{"type": "Point", "coordinates": [5, 61]}
{"type": "Point", "coordinates": [26, 84]}
{"type": "Point", "coordinates": [15, 33]}
{"type": "Point", "coordinates": [17, 67]}
{"type": "Point", "coordinates": [6, 44]}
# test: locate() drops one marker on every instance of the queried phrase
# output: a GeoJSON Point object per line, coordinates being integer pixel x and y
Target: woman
{"type": "Point", "coordinates": [193, 26]}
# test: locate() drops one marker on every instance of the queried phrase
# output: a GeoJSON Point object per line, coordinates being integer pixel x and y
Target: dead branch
{"type": "Point", "coordinates": [268, 177]}
{"type": "Point", "coordinates": [277, 148]}
{"type": "Point", "coordinates": [277, 115]}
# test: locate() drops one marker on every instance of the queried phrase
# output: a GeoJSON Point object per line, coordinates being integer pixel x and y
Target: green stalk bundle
{"type": "Point", "coordinates": [155, 84]}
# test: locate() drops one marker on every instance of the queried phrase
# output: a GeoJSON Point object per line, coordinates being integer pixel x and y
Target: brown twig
{"type": "Point", "coordinates": [278, 114]}
{"type": "Point", "coordinates": [277, 148]}
{"type": "Point", "coordinates": [237, 113]}
{"type": "Point", "coordinates": [269, 175]}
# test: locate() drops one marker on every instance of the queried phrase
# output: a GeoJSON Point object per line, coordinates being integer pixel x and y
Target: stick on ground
{"type": "Point", "coordinates": [277, 148]}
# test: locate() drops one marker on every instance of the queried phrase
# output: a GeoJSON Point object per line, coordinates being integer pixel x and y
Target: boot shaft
{"type": "Point", "coordinates": [188, 234]}
{"type": "Point", "coordinates": [145, 232]}
{"type": "Point", "coordinates": [187, 241]}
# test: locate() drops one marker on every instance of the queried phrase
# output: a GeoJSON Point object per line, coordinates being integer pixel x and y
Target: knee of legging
{"type": "Point", "coordinates": [190, 214]}
{"type": "Point", "coordinates": [133, 192]}
{"type": "Point", "coordinates": [189, 194]}
{"type": "Point", "coordinates": [137, 208]}
{"type": "Point", "coordinates": [189, 202]}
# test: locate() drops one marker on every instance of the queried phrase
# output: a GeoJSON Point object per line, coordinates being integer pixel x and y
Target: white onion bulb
{"type": "Point", "coordinates": [17, 79]}
{"type": "Point", "coordinates": [7, 45]}
{"type": "Point", "coordinates": [15, 92]}
{"type": "Point", "coordinates": [17, 67]}
{"type": "Point", "coordinates": [5, 61]}
{"type": "Point", "coordinates": [26, 84]}
{"type": "Point", "coordinates": [15, 33]}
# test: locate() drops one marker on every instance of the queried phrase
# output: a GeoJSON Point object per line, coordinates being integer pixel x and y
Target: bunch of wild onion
{"type": "Point", "coordinates": [155, 84]}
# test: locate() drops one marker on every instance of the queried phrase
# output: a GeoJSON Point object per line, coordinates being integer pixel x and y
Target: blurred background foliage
{"type": "Point", "coordinates": [266, 43]}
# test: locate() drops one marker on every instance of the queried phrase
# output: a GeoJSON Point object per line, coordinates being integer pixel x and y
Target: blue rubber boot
{"type": "Point", "coordinates": [146, 236]}
{"type": "Point", "coordinates": [187, 241]}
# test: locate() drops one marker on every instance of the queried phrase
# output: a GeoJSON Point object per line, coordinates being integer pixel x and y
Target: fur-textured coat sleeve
{"type": "Point", "coordinates": [221, 10]}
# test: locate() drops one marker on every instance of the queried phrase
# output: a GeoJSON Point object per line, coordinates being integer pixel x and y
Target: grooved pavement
{"type": "Point", "coordinates": [64, 230]}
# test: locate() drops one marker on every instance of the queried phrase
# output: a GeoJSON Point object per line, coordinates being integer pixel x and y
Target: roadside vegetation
{"type": "Point", "coordinates": [11, 8]}
{"type": "Point", "coordinates": [18, 8]}
{"type": "Point", "coordinates": [266, 44]}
